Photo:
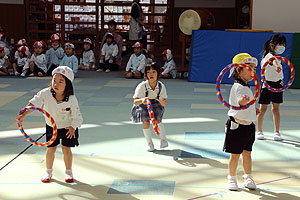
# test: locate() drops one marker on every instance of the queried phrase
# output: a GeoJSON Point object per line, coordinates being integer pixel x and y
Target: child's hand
{"type": "Point", "coordinates": [278, 69]}
{"type": "Point", "coordinates": [19, 119]}
{"type": "Point", "coordinates": [281, 82]}
{"type": "Point", "coordinates": [257, 111]}
{"type": "Point", "coordinates": [144, 101]}
{"type": "Point", "coordinates": [162, 102]}
{"type": "Point", "coordinates": [245, 99]}
{"type": "Point", "coordinates": [71, 132]}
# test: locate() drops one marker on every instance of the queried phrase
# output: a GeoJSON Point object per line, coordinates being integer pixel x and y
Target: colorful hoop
{"type": "Point", "coordinates": [29, 139]}
{"type": "Point", "coordinates": [284, 87]}
{"type": "Point", "coordinates": [151, 114]}
{"type": "Point", "coordinates": [218, 90]}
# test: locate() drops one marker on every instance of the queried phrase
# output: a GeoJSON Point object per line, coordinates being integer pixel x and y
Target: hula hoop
{"type": "Point", "coordinates": [218, 90]}
{"type": "Point", "coordinates": [151, 114]}
{"type": "Point", "coordinates": [284, 87]}
{"type": "Point", "coordinates": [29, 139]}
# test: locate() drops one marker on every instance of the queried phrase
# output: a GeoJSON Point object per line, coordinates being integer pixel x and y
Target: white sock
{"type": "Point", "coordinates": [232, 177]}
{"type": "Point", "coordinates": [147, 134]}
{"type": "Point", "coordinates": [68, 171]}
{"type": "Point", "coordinates": [49, 171]}
{"type": "Point", "coordinates": [162, 131]}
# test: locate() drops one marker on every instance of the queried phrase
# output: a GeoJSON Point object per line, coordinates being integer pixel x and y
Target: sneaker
{"type": "Point", "coordinates": [23, 75]}
{"type": "Point", "coordinates": [69, 178]}
{"type": "Point", "coordinates": [232, 184]}
{"type": "Point", "coordinates": [151, 147]}
{"type": "Point", "coordinates": [31, 75]}
{"type": "Point", "coordinates": [248, 182]}
{"type": "Point", "coordinates": [46, 178]}
{"type": "Point", "coordinates": [107, 70]}
{"type": "Point", "coordinates": [17, 73]}
{"type": "Point", "coordinates": [164, 144]}
{"type": "Point", "coordinates": [277, 136]}
{"type": "Point", "coordinates": [99, 70]}
{"type": "Point", "coordinates": [260, 135]}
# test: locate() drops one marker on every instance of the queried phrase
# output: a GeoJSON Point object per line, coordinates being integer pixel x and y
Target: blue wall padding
{"type": "Point", "coordinates": [211, 51]}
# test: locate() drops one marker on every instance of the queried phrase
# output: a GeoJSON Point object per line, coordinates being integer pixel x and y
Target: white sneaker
{"type": "Point", "coordinates": [107, 70]}
{"type": "Point", "coordinates": [69, 178]}
{"type": "Point", "coordinates": [23, 74]}
{"type": "Point", "coordinates": [46, 178]}
{"type": "Point", "coordinates": [163, 143]}
{"type": "Point", "coordinates": [248, 182]}
{"type": "Point", "coordinates": [151, 147]}
{"type": "Point", "coordinates": [260, 135]}
{"type": "Point", "coordinates": [277, 136]}
{"type": "Point", "coordinates": [17, 73]}
{"type": "Point", "coordinates": [31, 75]}
{"type": "Point", "coordinates": [232, 184]}
{"type": "Point", "coordinates": [99, 70]}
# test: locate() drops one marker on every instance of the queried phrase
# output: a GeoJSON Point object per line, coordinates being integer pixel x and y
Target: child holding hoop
{"type": "Point", "coordinates": [156, 92]}
{"type": "Point", "coordinates": [240, 129]}
{"type": "Point", "coordinates": [61, 103]}
{"type": "Point", "coordinates": [274, 77]}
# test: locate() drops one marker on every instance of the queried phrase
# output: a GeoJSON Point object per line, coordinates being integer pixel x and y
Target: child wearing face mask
{"type": "Point", "coordinates": [274, 76]}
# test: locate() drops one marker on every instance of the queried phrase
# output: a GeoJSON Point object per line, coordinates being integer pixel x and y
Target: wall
{"type": "Point", "coordinates": [205, 3]}
{"type": "Point", "coordinates": [12, 19]}
{"type": "Point", "coordinates": [277, 15]}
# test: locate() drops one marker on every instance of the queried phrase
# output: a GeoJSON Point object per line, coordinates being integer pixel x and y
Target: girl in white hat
{"type": "Point", "coordinates": [87, 60]}
{"type": "Point", "coordinates": [70, 59]}
{"type": "Point", "coordinates": [137, 62]}
{"type": "Point", "coordinates": [61, 103]}
{"type": "Point", "coordinates": [169, 70]}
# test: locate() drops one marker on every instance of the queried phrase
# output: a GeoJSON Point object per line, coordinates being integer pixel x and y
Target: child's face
{"type": "Point", "coordinates": [165, 57]}
{"type": "Point", "coordinates": [38, 50]}
{"type": "Point", "coordinates": [111, 28]}
{"type": "Point", "coordinates": [2, 54]}
{"type": "Point", "coordinates": [20, 54]}
{"type": "Point", "coordinates": [69, 51]}
{"type": "Point", "coordinates": [108, 40]}
{"type": "Point", "coordinates": [86, 46]}
{"type": "Point", "coordinates": [55, 43]}
{"type": "Point", "coordinates": [151, 75]}
{"type": "Point", "coordinates": [137, 51]}
{"type": "Point", "coordinates": [246, 75]}
{"type": "Point", "coordinates": [58, 83]}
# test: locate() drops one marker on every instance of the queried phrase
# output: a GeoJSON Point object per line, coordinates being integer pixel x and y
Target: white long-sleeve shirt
{"type": "Point", "coordinates": [65, 113]}
{"type": "Point", "coordinates": [109, 50]}
{"type": "Point", "coordinates": [136, 63]}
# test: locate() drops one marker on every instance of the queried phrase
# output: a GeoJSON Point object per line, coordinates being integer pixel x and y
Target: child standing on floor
{"type": "Point", "coordinates": [87, 60]}
{"type": "Point", "coordinates": [55, 54]}
{"type": "Point", "coordinates": [156, 92]}
{"type": "Point", "coordinates": [60, 102]}
{"type": "Point", "coordinates": [169, 69]}
{"type": "Point", "coordinates": [70, 59]}
{"type": "Point", "coordinates": [136, 64]}
{"type": "Point", "coordinates": [4, 62]}
{"type": "Point", "coordinates": [240, 129]}
{"type": "Point", "coordinates": [37, 64]}
{"type": "Point", "coordinates": [109, 53]}
{"type": "Point", "coordinates": [21, 60]}
{"type": "Point", "coordinates": [274, 77]}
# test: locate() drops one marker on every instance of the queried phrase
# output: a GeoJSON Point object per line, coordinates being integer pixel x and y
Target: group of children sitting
{"type": "Point", "coordinates": [45, 58]}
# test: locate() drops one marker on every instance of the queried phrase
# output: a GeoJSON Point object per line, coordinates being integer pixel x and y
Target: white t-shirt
{"type": "Point", "coordinates": [140, 91]}
{"type": "Point", "coordinates": [236, 94]}
{"type": "Point", "coordinates": [66, 113]}
{"type": "Point", "coordinates": [87, 58]}
{"type": "Point", "coordinates": [109, 50]}
{"type": "Point", "coordinates": [270, 73]}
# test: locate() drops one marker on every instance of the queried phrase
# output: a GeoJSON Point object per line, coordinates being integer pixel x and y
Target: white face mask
{"type": "Point", "coordinates": [280, 49]}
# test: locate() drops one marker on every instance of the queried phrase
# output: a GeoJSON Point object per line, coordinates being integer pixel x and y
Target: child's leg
{"type": "Point", "coordinates": [162, 134]}
{"type": "Point", "coordinates": [14, 65]}
{"type": "Point", "coordinates": [68, 157]}
{"type": "Point", "coordinates": [50, 155]}
{"type": "Point", "coordinates": [247, 165]}
{"type": "Point", "coordinates": [128, 75]}
{"type": "Point", "coordinates": [233, 163]}
{"type": "Point", "coordinates": [147, 134]}
{"type": "Point", "coordinates": [276, 116]}
{"type": "Point", "coordinates": [138, 74]}
{"type": "Point", "coordinates": [263, 109]}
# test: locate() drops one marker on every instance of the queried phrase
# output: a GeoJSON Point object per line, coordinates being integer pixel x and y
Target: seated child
{"type": "Point", "coordinates": [4, 63]}
{"type": "Point", "coordinates": [55, 54]}
{"type": "Point", "coordinates": [87, 60]}
{"type": "Point", "coordinates": [20, 61]}
{"type": "Point", "coordinates": [136, 64]}
{"type": "Point", "coordinates": [37, 64]}
{"type": "Point", "coordinates": [169, 69]}
{"type": "Point", "coordinates": [70, 59]}
{"type": "Point", "coordinates": [109, 52]}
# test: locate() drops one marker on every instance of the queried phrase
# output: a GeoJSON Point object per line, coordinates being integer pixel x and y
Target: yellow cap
{"type": "Point", "coordinates": [240, 57]}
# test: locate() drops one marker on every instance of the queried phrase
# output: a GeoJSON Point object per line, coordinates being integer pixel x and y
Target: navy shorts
{"type": "Point", "coordinates": [61, 135]}
{"type": "Point", "coordinates": [238, 137]}
{"type": "Point", "coordinates": [266, 96]}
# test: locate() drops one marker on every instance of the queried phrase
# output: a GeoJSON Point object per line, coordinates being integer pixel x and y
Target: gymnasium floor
{"type": "Point", "coordinates": [112, 163]}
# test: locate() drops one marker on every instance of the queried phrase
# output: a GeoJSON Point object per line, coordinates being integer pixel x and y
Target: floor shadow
{"type": "Point", "coordinates": [97, 191]}
{"type": "Point", "coordinates": [269, 195]}
{"type": "Point", "coordinates": [285, 141]}
{"type": "Point", "coordinates": [190, 159]}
